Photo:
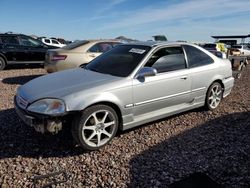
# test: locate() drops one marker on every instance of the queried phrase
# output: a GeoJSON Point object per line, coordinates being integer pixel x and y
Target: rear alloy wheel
{"type": "Point", "coordinates": [2, 63]}
{"type": "Point", "coordinates": [96, 127]}
{"type": "Point", "coordinates": [214, 96]}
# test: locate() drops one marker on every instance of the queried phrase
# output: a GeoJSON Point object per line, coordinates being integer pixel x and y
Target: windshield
{"type": "Point", "coordinates": [75, 44]}
{"type": "Point", "coordinates": [120, 61]}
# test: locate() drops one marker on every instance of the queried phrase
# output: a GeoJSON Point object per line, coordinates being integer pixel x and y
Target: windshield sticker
{"type": "Point", "coordinates": [136, 50]}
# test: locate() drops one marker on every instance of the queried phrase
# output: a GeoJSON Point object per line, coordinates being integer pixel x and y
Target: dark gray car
{"type": "Point", "coordinates": [128, 86]}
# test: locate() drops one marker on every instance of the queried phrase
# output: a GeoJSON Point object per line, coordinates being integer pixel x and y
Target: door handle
{"type": "Point", "coordinates": [184, 77]}
{"type": "Point", "coordinates": [92, 55]}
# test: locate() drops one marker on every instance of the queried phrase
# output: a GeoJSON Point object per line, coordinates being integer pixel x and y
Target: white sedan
{"type": "Point", "coordinates": [244, 50]}
{"type": "Point", "coordinates": [52, 42]}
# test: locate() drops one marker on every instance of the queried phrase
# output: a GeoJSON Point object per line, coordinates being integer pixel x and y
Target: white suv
{"type": "Point", "coordinates": [52, 42]}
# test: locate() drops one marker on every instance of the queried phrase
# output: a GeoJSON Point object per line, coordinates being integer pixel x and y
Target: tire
{"type": "Point", "coordinates": [95, 127]}
{"type": "Point", "coordinates": [2, 63]}
{"type": "Point", "coordinates": [238, 75]}
{"type": "Point", "coordinates": [214, 96]}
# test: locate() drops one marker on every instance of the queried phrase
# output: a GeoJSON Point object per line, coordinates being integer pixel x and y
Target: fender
{"type": "Point", "coordinates": [4, 57]}
{"type": "Point", "coordinates": [82, 102]}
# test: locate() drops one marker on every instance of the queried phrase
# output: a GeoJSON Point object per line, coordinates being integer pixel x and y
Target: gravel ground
{"type": "Point", "coordinates": [154, 155]}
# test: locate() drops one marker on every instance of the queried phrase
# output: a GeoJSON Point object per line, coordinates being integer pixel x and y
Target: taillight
{"type": "Point", "coordinates": [58, 57]}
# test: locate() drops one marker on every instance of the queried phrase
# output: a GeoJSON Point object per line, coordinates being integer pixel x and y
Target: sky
{"type": "Point", "coordinates": [190, 20]}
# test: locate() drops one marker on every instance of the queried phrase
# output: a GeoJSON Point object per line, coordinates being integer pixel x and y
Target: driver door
{"type": "Point", "coordinates": [35, 49]}
{"type": "Point", "coordinates": [169, 88]}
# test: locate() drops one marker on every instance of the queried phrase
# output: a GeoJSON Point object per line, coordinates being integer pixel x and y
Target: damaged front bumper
{"type": "Point", "coordinates": [41, 123]}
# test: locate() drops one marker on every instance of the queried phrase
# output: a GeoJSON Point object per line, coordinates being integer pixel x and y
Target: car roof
{"type": "Point", "coordinates": [11, 34]}
{"type": "Point", "coordinates": [156, 43]}
{"type": "Point", "coordinates": [85, 46]}
{"type": "Point", "coordinates": [102, 40]}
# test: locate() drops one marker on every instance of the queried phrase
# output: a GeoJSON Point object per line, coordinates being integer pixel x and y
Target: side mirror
{"type": "Point", "coordinates": [146, 71]}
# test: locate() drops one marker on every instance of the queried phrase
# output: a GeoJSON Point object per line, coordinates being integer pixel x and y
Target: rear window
{"type": "Point", "coordinates": [196, 57]}
{"type": "Point", "coordinates": [75, 44]}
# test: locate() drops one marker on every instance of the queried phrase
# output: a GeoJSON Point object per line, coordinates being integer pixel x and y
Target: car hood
{"type": "Point", "coordinates": [60, 84]}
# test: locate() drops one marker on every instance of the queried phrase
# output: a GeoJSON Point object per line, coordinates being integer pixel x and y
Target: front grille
{"type": "Point", "coordinates": [21, 102]}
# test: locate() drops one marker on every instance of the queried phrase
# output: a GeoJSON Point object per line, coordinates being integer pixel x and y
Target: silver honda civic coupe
{"type": "Point", "coordinates": [127, 86]}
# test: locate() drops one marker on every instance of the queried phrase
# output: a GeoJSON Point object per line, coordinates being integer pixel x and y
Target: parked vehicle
{"type": "Point", "coordinates": [238, 60]}
{"type": "Point", "coordinates": [244, 50]}
{"type": "Point", "coordinates": [160, 38]}
{"type": "Point", "coordinates": [52, 42]}
{"type": "Point", "coordinates": [215, 46]}
{"type": "Point", "coordinates": [76, 54]}
{"type": "Point", "coordinates": [20, 49]}
{"type": "Point", "coordinates": [130, 85]}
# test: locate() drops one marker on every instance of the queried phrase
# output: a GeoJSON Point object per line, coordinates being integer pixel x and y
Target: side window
{"type": "Point", "coordinates": [47, 41]}
{"type": "Point", "coordinates": [104, 47]}
{"type": "Point", "coordinates": [26, 41]}
{"type": "Point", "coordinates": [167, 59]}
{"type": "Point", "coordinates": [10, 40]}
{"type": "Point", "coordinates": [54, 42]}
{"type": "Point", "coordinates": [197, 57]}
{"type": "Point", "coordinates": [94, 49]}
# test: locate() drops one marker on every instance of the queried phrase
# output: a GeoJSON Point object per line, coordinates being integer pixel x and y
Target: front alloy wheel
{"type": "Point", "coordinates": [96, 127]}
{"type": "Point", "coordinates": [214, 96]}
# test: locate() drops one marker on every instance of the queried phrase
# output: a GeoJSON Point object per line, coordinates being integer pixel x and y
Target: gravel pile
{"type": "Point", "coordinates": [158, 154]}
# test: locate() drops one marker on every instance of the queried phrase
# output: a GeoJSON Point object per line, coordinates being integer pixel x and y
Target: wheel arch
{"type": "Point", "coordinates": [76, 128]}
{"type": "Point", "coordinates": [218, 81]}
{"type": "Point", "coordinates": [3, 56]}
{"type": "Point", "coordinates": [112, 105]}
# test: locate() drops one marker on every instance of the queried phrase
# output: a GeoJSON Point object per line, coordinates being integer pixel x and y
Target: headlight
{"type": "Point", "coordinates": [48, 106]}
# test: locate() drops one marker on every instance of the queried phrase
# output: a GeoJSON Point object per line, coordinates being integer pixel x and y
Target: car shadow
{"type": "Point", "coordinates": [219, 149]}
{"type": "Point", "coordinates": [24, 66]}
{"type": "Point", "coordinates": [18, 139]}
{"type": "Point", "coordinates": [20, 79]}
{"type": "Point", "coordinates": [215, 153]}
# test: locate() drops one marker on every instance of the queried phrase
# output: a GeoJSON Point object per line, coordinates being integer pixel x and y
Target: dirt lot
{"type": "Point", "coordinates": [154, 155]}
